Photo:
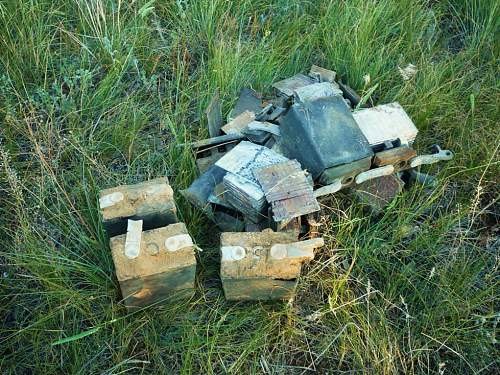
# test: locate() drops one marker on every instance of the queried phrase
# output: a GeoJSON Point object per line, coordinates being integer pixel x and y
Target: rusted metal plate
{"type": "Point", "coordinates": [287, 189]}
{"type": "Point", "coordinates": [214, 115]}
{"type": "Point", "coordinates": [398, 156]}
{"type": "Point", "coordinates": [379, 192]}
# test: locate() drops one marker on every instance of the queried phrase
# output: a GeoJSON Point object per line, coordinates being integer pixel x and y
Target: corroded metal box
{"type": "Point", "coordinates": [263, 265]}
{"type": "Point", "coordinates": [151, 201]}
{"type": "Point", "coordinates": [155, 265]}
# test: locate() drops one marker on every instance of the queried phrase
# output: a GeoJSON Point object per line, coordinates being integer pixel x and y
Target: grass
{"type": "Point", "coordinates": [95, 94]}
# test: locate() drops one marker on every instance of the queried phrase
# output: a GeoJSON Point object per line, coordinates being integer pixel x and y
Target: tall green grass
{"type": "Point", "coordinates": [95, 94]}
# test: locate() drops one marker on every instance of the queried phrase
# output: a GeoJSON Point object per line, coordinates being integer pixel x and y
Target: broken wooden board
{"type": "Point", "coordinates": [322, 74]}
{"type": "Point", "coordinates": [287, 190]}
{"type": "Point", "coordinates": [287, 86]}
{"type": "Point", "coordinates": [378, 193]}
{"type": "Point", "coordinates": [387, 122]}
{"type": "Point", "coordinates": [239, 123]}
{"type": "Point", "coordinates": [161, 267]}
{"type": "Point", "coordinates": [214, 115]}
{"type": "Point", "coordinates": [151, 201]}
{"type": "Point", "coordinates": [263, 265]}
{"type": "Point", "coordinates": [399, 157]}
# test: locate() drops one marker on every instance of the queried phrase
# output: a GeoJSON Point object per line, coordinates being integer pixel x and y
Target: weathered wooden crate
{"type": "Point", "coordinates": [263, 265]}
{"type": "Point", "coordinates": [155, 265]}
{"type": "Point", "coordinates": [151, 201]}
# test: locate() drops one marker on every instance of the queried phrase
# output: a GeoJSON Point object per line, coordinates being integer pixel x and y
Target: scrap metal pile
{"type": "Point", "coordinates": [279, 154]}
{"type": "Point", "coordinates": [261, 174]}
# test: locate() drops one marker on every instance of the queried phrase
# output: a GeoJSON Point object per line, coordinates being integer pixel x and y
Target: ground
{"type": "Point", "coordinates": [98, 93]}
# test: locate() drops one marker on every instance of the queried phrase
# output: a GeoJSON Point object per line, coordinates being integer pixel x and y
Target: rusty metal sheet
{"type": "Point", "coordinates": [398, 156]}
{"type": "Point", "coordinates": [379, 192]}
{"type": "Point", "coordinates": [287, 189]}
{"type": "Point", "coordinates": [214, 115]}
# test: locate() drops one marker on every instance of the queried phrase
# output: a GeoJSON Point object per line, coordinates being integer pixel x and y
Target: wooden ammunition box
{"type": "Point", "coordinates": [162, 269]}
{"type": "Point", "coordinates": [263, 265]}
{"type": "Point", "coordinates": [151, 201]}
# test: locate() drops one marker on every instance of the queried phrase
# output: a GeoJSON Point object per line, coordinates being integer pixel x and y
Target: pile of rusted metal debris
{"type": "Point", "coordinates": [279, 154]}
{"type": "Point", "coordinates": [259, 182]}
